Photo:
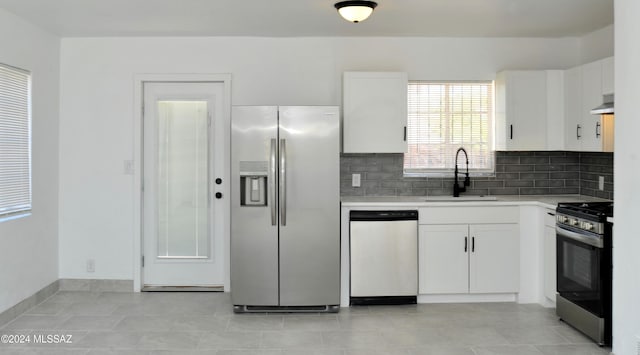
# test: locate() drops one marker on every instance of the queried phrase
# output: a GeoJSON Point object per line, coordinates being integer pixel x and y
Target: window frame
{"type": "Point", "coordinates": [10, 212]}
{"type": "Point", "coordinates": [449, 172]}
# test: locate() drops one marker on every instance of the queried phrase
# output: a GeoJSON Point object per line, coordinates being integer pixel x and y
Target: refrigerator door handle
{"type": "Point", "coordinates": [283, 182]}
{"type": "Point", "coordinates": [272, 181]}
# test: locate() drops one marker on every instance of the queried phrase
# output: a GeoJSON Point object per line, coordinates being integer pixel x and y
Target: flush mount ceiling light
{"type": "Point", "coordinates": [355, 11]}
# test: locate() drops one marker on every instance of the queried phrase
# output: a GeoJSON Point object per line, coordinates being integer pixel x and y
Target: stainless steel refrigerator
{"type": "Point", "coordinates": [285, 218]}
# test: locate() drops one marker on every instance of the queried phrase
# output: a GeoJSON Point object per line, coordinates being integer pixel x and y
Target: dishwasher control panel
{"type": "Point", "coordinates": [384, 215]}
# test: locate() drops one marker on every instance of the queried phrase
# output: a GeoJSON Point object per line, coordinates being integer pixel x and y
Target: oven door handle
{"type": "Point", "coordinates": [596, 242]}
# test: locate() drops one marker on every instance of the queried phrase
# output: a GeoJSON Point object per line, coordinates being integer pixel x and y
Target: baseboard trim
{"type": "Point", "coordinates": [28, 303]}
{"type": "Point", "coordinates": [466, 298]}
{"type": "Point", "coordinates": [96, 285]}
{"type": "Point", "coordinates": [183, 289]}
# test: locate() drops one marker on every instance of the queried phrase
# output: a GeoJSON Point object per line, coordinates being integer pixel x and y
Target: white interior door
{"type": "Point", "coordinates": [183, 158]}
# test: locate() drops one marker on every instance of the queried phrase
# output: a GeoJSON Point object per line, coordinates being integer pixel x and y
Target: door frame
{"type": "Point", "coordinates": [138, 119]}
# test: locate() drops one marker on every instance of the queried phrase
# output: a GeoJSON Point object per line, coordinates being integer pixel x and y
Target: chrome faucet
{"type": "Point", "coordinates": [457, 189]}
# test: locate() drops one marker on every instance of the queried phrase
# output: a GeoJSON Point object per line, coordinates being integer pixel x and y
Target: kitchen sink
{"type": "Point", "coordinates": [461, 198]}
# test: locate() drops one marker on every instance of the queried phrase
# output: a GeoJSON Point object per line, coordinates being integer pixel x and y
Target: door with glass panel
{"type": "Point", "coordinates": [183, 157]}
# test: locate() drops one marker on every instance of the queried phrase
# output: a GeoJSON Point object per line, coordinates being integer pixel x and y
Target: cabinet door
{"type": "Point", "coordinates": [524, 109]}
{"type": "Point", "coordinates": [550, 262]}
{"type": "Point", "coordinates": [443, 259]}
{"type": "Point", "coordinates": [555, 110]}
{"type": "Point", "coordinates": [494, 259]}
{"type": "Point", "coordinates": [573, 106]}
{"type": "Point", "coordinates": [375, 112]}
{"type": "Point", "coordinates": [591, 98]}
{"type": "Point", "coordinates": [608, 77]}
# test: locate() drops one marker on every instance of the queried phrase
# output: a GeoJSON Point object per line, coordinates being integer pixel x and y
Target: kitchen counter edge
{"type": "Point", "coordinates": [548, 201]}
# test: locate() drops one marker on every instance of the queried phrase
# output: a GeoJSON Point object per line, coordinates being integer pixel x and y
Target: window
{"type": "Point", "coordinates": [444, 116]}
{"type": "Point", "coordinates": [15, 141]}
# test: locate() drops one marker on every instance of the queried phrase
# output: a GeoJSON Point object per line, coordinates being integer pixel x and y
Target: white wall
{"type": "Point", "coordinates": [597, 45]}
{"type": "Point", "coordinates": [29, 245]}
{"type": "Point", "coordinates": [626, 242]}
{"type": "Point", "coordinates": [96, 121]}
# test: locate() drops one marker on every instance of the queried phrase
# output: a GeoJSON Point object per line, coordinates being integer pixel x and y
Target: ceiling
{"type": "Point", "coordinates": [300, 18]}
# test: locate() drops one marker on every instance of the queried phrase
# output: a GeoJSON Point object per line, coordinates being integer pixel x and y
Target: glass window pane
{"type": "Point", "coordinates": [443, 117]}
{"type": "Point", "coordinates": [15, 141]}
{"type": "Point", "coordinates": [183, 174]}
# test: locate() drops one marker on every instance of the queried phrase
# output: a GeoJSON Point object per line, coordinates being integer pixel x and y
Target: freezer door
{"type": "Point", "coordinates": [254, 233]}
{"type": "Point", "coordinates": [309, 206]}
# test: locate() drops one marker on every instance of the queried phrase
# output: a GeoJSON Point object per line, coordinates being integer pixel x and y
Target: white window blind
{"type": "Point", "coordinates": [444, 116]}
{"type": "Point", "coordinates": [15, 141]}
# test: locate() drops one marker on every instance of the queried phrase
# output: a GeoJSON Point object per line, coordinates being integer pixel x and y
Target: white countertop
{"type": "Point", "coordinates": [549, 201]}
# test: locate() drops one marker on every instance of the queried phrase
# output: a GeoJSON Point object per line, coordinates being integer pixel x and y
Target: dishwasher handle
{"type": "Point", "coordinates": [402, 215]}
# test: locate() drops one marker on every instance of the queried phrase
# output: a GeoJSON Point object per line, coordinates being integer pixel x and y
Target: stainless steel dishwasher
{"type": "Point", "coordinates": [384, 257]}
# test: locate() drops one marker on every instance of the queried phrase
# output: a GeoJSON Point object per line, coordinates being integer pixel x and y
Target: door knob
{"type": "Point", "coordinates": [218, 195]}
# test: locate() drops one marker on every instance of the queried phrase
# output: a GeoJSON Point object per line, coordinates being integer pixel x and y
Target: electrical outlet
{"type": "Point", "coordinates": [91, 265]}
{"type": "Point", "coordinates": [355, 180]}
{"type": "Point", "coordinates": [601, 183]}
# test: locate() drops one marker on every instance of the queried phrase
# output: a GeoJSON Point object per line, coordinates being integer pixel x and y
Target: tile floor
{"type": "Point", "coordinates": [203, 323]}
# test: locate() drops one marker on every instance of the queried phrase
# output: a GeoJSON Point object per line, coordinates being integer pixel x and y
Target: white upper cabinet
{"type": "Point", "coordinates": [374, 112]}
{"type": "Point", "coordinates": [591, 98]}
{"type": "Point", "coordinates": [551, 109]}
{"type": "Point", "coordinates": [584, 89]}
{"type": "Point", "coordinates": [573, 106]}
{"type": "Point", "coordinates": [608, 81]}
{"type": "Point", "coordinates": [555, 109]}
{"type": "Point", "coordinates": [523, 108]}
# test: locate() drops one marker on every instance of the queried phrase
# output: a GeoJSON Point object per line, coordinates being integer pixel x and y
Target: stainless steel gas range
{"type": "Point", "coordinates": [584, 267]}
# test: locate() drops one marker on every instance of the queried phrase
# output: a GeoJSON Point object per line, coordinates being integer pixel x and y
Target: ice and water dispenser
{"type": "Point", "coordinates": [253, 183]}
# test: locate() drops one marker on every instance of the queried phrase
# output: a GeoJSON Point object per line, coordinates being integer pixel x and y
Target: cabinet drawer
{"type": "Point", "coordinates": [469, 215]}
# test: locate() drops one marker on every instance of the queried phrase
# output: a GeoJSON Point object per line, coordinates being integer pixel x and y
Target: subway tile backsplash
{"type": "Point", "coordinates": [592, 166]}
{"type": "Point", "coordinates": [517, 173]}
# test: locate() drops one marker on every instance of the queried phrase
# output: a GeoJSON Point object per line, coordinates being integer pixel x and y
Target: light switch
{"type": "Point", "coordinates": [355, 180]}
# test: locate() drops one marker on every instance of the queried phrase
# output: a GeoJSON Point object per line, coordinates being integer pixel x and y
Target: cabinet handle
{"type": "Point", "coordinates": [465, 243]}
{"type": "Point", "coordinates": [578, 136]}
{"type": "Point", "coordinates": [473, 244]}
{"type": "Point", "coordinates": [510, 131]}
{"type": "Point", "coordinates": [551, 213]}
{"type": "Point", "coordinates": [405, 133]}
{"type": "Point", "coordinates": [598, 133]}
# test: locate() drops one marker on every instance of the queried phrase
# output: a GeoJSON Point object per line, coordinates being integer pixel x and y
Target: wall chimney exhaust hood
{"type": "Point", "coordinates": [605, 108]}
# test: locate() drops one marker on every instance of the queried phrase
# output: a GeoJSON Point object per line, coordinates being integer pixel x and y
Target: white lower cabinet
{"type": "Point", "coordinates": [469, 258]}
{"type": "Point", "coordinates": [550, 255]}
{"type": "Point", "coordinates": [494, 261]}
{"type": "Point", "coordinates": [443, 259]}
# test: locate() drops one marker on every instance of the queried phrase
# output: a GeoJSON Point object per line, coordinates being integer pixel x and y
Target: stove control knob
{"type": "Point", "coordinates": [588, 226]}
{"type": "Point", "coordinates": [573, 221]}
{"type": "Point", "coordinates": [562, 219]}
